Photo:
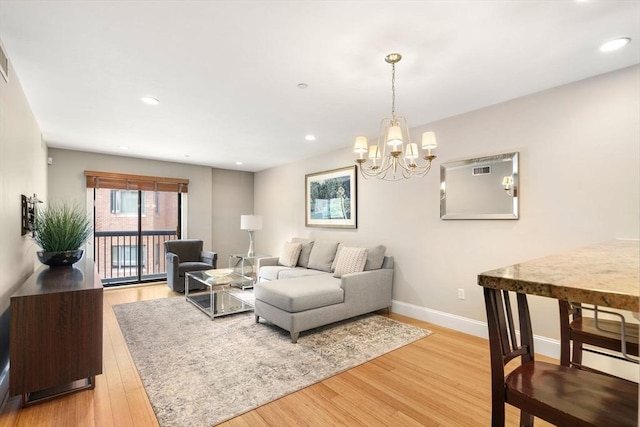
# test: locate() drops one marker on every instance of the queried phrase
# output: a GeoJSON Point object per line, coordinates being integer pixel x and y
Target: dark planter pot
{"type": "Point", "coordinates": [60, 259]}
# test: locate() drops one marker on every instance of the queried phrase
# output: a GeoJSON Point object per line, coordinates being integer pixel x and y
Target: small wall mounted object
{"type": "Point", "coordinates": [480, 188]}
{"type": "Point", "coordinates": [29, 207]}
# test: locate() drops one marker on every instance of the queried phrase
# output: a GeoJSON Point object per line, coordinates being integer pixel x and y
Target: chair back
{"type": "Point", "coordinates": [605, 332]}
{"type": "Point", "coordinates": [188, 250]}
{"type": "Point", "coordinates": [503, 340]}
{"type": "Point", "coordinates": [504, 345]}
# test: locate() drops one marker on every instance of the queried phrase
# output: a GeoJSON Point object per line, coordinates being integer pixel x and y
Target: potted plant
{"type": "Point", "coordinates": [60, 230]}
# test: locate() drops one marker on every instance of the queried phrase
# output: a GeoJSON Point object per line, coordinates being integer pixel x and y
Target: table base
{"type": "Point", "coordinates": [218, 303]}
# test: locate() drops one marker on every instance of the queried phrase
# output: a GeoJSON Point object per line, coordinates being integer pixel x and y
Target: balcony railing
{"type": "Point", "coordinates": [116, 255]}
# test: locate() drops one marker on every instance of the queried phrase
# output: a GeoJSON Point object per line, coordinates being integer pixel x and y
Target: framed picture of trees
{"type": "Point", "coordinates": [330, 198]}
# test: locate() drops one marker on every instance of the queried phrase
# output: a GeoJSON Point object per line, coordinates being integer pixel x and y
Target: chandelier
{"type": "Point", "coordinates": [391, 158]}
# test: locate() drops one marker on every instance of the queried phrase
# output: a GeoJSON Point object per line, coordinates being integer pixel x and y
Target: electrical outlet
{"type": "Point", "coordinates": [460, 293]}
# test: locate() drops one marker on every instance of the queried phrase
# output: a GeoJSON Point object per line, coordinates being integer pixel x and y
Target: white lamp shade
{"type": "Point", "coordinates": [361, 145]}
{"type": "Point", "coordinates": [411, 151]}
{"type": "Point", "coordinates": [250, 222]}
{"type": "Point", "coordinates": [394, 136]}
{"type": "Point", "coordinates": [374, 152]}
{"type": "Point", "coordinates": [429, 140]}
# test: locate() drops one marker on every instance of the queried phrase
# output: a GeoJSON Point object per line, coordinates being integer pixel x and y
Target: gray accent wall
{"type": "Point", "coordinates": [23, 157]}
{"type": "Point", "coordinates": [216, 197]}
{"type": "Point", "coordinates": [579, 185]}
{"type": "Point", "coordinates": [232, 196]}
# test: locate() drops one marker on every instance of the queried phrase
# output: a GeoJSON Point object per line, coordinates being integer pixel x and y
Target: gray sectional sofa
{"type": "Point", "coordinates": [321, 286]}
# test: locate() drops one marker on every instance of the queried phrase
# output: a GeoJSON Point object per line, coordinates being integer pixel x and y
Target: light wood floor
{"type": "Point", "coordinates": [441, 380]}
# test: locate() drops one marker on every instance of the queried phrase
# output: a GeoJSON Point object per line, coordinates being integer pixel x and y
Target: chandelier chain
{"type": "Point", "coordinates": [393, 92]}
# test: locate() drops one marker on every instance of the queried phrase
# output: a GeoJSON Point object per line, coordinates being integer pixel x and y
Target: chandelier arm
{"type": "Point", "coordinates": [403, 120]}
{"type": "Point", "coordinates": [382, 169]}
{"type": "Point", "coordinates": [384, 176]}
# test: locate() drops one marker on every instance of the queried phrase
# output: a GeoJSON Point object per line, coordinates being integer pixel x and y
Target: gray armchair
{"type": "Point", "coordinates": [186, 255]}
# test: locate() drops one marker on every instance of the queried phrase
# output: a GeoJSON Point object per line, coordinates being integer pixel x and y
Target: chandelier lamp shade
{"type": "Point", "coordinates": [394, 156]}
{"type": "Point", "coordinates": [250, 223]}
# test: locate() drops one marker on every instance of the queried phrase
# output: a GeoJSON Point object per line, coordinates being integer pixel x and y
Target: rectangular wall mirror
{"type": "Point", "coordinates": [480, 188]}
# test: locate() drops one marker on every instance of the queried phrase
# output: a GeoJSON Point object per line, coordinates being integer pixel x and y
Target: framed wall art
{"type": "Point", "coordinates": [330, 198]}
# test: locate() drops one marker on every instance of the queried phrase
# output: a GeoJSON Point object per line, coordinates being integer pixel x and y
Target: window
{"type": "Point", "coordinates": [125, 202]}
{"type": "Point", "coordinates": [125, 231]}
{"type": "Point", "coordinates": [127, 256]}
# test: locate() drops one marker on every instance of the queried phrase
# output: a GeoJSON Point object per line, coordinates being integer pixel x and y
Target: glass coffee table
{"type": "Point", "coordinates": [215, 300]}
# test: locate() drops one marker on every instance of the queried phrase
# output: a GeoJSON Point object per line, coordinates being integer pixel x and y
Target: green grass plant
{"type": "Point", "coordinates": [61, 227]}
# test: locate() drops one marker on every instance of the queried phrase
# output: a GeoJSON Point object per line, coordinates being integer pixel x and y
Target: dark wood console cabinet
{"type": "Point", "coordinates": [56, 332]}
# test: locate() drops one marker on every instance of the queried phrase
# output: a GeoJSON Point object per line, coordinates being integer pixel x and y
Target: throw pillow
{"type": "Point", "coordinates": [350, 260]}
{"type": "Point", "coordinates": [335, 259]}
{"type": "Point", "coordinates": [375, 257]}
{"type": "Point", "coordinates": [322, 255]}
{"type": "Point", "coordinates": [307, 245]}
{"type": "Point", "coordinates": [290, 254]}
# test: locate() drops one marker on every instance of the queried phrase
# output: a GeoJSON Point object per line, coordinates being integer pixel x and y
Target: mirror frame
{"type": "Point", "coordinates": [513, 214]}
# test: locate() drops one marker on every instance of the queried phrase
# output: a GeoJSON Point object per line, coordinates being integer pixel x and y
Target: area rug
{"type": "Point", "coordinates": [199, 372]}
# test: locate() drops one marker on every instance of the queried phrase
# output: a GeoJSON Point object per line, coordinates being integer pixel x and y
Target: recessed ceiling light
{"type": "Point", "coordinates": [310, 137]}
{"type": "Point", "coordinates": [150, 100]}
{"type": "Point", "coordinates": [614, 44]}
{"type": "Point", "coordinates": [186, 155]}
{"type": "Point", "coordinates": [238, 163]}
{"type": "Point", "coordinates": [302, 85]}
{"type": "Point", "coordinates": [122, 147]}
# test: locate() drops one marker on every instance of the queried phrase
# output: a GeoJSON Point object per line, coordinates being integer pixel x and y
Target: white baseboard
{"type": "Point", "coordinates": [542, 345]}
{"type": "Point", "coordinates": [4, 385]}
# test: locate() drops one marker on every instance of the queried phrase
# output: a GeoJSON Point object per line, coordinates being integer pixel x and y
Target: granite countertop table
{"type": "Point", "coordinates": [606, 274]}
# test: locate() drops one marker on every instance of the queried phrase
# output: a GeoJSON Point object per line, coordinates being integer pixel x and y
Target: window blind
{"type": "Point", "coordinates": [121, 181]}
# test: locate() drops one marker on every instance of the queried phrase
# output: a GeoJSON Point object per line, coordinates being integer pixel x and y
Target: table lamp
{"type": "Point", "coordinates": [250, 223]}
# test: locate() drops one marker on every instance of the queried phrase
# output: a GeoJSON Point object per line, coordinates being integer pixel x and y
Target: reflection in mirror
{"type": "Point", "coordinates": [480, 188]}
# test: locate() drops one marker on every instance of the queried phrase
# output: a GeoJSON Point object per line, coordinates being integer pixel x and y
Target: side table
{"type": "Point", "coordinates": [245, 265]}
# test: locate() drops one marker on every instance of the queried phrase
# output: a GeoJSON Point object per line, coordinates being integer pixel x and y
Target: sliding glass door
{"type": "Point", "coordinates": [130, 229]}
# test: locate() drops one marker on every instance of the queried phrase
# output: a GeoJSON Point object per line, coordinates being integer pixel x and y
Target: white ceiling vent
{"type": "Point", "coordinates": [481, 170]}
{"type": "Point", "coordinates": [4, 64]}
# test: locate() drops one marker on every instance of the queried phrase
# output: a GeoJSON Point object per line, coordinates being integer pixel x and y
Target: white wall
{"type": "Point", "coordinates": [579, 184]}
{"type": "Point", "coordinates": [22, 171]}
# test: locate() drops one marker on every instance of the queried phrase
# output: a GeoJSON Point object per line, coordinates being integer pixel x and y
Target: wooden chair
{"type": "Point", "coordinates": [558, 394]}
{"type": "Point", "coordinates": [606, 334]}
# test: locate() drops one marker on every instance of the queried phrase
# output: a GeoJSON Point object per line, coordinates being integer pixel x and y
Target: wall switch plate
{"type": "Point", "coordinates": [460, 293]}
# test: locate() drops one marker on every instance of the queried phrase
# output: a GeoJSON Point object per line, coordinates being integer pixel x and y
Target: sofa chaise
{"type": "Point", "coordinates": [314, 283]}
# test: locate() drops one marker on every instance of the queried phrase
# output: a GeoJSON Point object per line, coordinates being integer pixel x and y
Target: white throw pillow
{"type": "Point", "coordinates": [290, 254]}
{"type": "Point", "coordinates": [350, 260]}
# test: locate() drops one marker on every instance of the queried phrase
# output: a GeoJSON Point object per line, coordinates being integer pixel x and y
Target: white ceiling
{"type": "Point", "coordinates": [226, 72]}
